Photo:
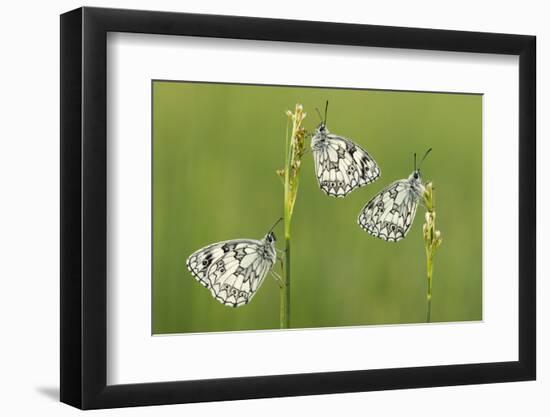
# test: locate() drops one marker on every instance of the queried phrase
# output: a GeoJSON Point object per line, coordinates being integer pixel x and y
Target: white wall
{"type": "Point", "coordinates": [29, 237]}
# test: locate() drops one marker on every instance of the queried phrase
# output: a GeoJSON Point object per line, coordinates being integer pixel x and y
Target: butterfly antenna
{"type": "Point", "coordinates": [424, 157]}
{"type": "Point", "coordinates": [320, 116]}
{"type": "Point", "coordinates": [326, 110]}
{"type": "Point", "coordinates": [274, 224]}
{"type": "Point", "coordinates": [414, 158]}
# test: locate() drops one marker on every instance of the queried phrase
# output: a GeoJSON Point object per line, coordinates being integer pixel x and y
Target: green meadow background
{"type": "Point", "coordinates": [216, 148]}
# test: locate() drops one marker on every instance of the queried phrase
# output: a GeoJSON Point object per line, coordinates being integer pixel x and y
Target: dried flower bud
{"type": "Point", "coordinates": [430, 217]}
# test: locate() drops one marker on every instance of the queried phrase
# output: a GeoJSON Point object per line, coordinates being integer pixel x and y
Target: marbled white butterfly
{"type": "Point", "coordinates": [390, 213]}
{"type": "Point", "coordinates": [340, 164]}
{"type": "Point", "coordinates": [234, 270]}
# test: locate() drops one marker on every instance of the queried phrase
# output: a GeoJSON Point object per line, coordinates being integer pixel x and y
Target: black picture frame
{"type": "Point", "coordinates": [84, 207]}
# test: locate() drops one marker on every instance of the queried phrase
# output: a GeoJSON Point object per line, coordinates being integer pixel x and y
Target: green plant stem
{"type": "Point", "coordinates": [294, 149]}
{"type": "Point", "coordinates": [429, 267]}
{"type": "Point", "coordinates": [432, 241]}
{"type": "Point", "coordinates": [284, 316]}
{"type": "Point", "coordinates": [285, 289]}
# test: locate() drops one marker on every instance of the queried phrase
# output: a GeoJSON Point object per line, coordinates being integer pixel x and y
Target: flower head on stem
{"type": "Point", "coordinates": [432, 240]}
{"type": "Point", "coordinates": [296, 151]}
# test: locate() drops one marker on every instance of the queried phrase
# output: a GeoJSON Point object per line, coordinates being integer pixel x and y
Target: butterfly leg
{"type": "Point", "coordinates": [421, 202]}
{"type": "Point", "coordinates": [279, 279]}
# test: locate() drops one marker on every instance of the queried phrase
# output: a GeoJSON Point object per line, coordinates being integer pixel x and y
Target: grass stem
{"type": "Point", "coordinates": [294, 150]}
{"type": "Point", "coordinates": [429, 261]}
{"type": "Point", "coordinates": [432, 241]}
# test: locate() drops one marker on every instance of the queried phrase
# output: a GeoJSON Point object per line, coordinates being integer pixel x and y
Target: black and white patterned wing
{"type": "Point", "coordinates": [389, 214]}
{"type": "Point", "coordinates": [232, 270]}
{"type": "Point", "coordinates": [342, 166]}
{"type": "Point", "coordinates": [199, 261]}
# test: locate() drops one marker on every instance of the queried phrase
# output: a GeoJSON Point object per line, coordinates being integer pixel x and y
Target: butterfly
{"type": "Point", "coordinates": [390, 214]}
{"type": "Point", "coordinates": [234, 270]}
{"type": "Point", "coordinates": [340, 164]}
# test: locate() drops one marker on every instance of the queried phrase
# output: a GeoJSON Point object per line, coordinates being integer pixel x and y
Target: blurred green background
{"type": "Point", "coordinates": [216, 148]}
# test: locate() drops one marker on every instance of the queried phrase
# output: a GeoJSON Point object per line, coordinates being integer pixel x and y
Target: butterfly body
{"type": "Point", "coordinates": [390, 213]}
{"type": "Point", "coordinates": [234, 270]}
{"type": "Point", "coordinates": [341, 165]}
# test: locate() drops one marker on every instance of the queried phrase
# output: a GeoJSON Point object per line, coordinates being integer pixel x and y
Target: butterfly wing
{"type": "Point", "coordinates": [390, 213]}
{"type": "Point", "coordinates": [232, 270]}
{"type": "Point", "coordinates": [341, 166]}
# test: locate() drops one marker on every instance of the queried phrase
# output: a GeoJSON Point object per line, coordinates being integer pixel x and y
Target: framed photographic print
{"type": "Point", "coordinates": [257, 208]}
